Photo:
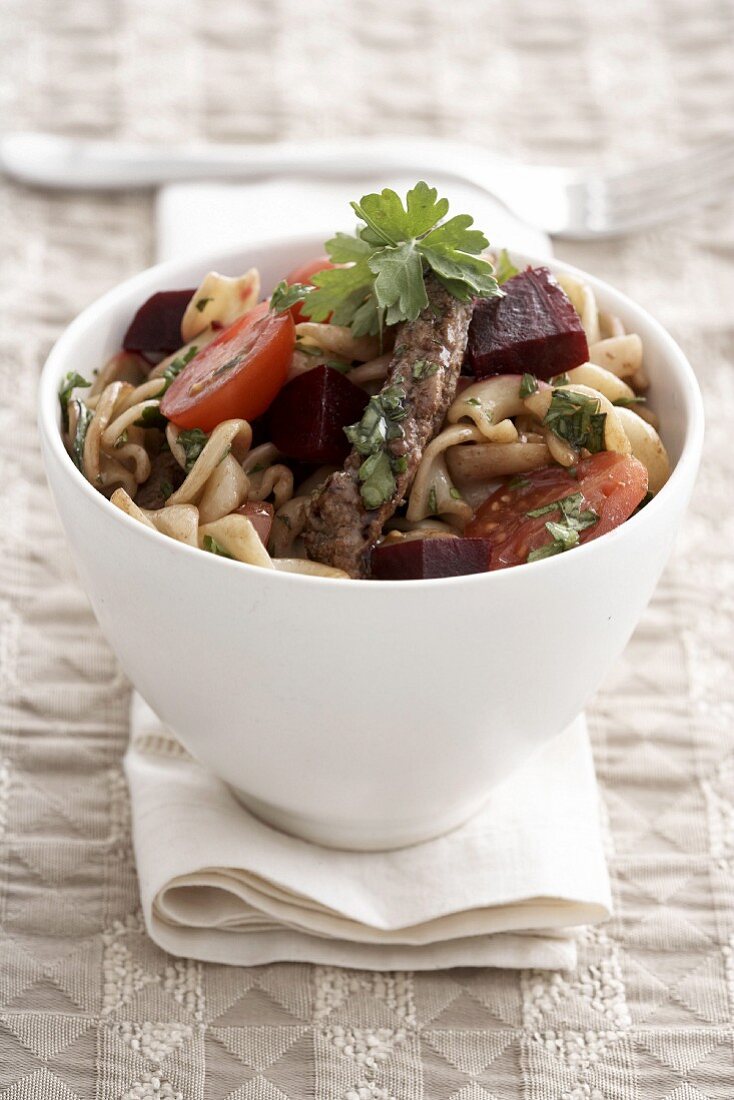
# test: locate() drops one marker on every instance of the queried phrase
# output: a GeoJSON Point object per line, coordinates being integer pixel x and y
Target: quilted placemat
{"type": "Point", "coordinates": [88, 1007]}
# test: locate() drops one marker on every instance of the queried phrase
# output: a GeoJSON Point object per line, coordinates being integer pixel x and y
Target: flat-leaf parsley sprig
{"type": "Point", "coordinates": [381, 277]}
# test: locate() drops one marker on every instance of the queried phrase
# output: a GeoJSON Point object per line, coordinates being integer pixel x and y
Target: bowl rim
{"type": "Point", "coordinates": [93, 314]}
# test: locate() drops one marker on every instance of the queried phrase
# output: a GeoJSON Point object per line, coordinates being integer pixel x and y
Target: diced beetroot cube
{"type": "Point", "coordinates": [260, 514]}
{"type": "Point", "coordinates": [157, 324]}
{"type": "Point", "coordinates": [533, 329]}
{"type": "Point", "coordinates": [309, 415]}
{"type": "Point", "coordinates": [423, 559]}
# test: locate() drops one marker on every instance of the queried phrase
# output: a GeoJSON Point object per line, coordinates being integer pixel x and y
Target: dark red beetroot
{"type": "Point", "coordinates": [533, 329]}
{"type": "Point", "coordinates": [260, 515]}
{"type": "Point", "coordinates": [309, 415]}
{"type": "Point", "coordinates": [425, 559]}
{"type": "Point", "coordinates": [157, 324]}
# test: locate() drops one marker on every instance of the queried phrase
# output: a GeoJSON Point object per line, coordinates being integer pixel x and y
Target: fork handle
{"type": "Point", "coordinates": [57, 162]}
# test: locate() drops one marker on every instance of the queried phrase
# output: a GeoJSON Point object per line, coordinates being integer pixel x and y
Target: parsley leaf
{"type": "Point", "coordinates": [193, 441]}
{"type": "Point", "coordinates": [83, 420]}
{"type": "Point", "coordinates": [210, 543]}
{"type": "Point", "coordinates": [202, 303]}
{"type": "Point", "coordinates": [564, 532]}
{"type": "Point", "coordinates": [175, 367]}
{"type": "Point", "coordinates": [505, 269]}
{"type": "Point", "coordinates": [71, 382]}
{"type": "Point", "coordinates": [380, 424]}
{"type": "Point", "coordinates": [432, 502]}
{"type": "Point", "coordinates": [575, 418]}
{"type": "Point", "coordinates": [625, 402]}
{"type": "Point", "coordinates": [423, 368]}
{"type": "Point", "coordinates": [285, 296]}
{"type": "Point", "coordinates": [389, 256]}
{"type": "Point", "coordinates": [528, 385]}
{"type": "Point", "coordinates": [152, 417]}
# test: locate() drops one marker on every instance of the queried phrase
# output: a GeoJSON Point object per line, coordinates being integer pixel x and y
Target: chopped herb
{"type": "Point", "coordinates": [166, 489]}
{"type": "Point", "coordinates": [561, 380]}
{"type": "Point", "coordinates": [175, 367]}
{"type": "Point", "coordinates": [377, 480]}
{"type": "Point", "coordinates": [547, 551]}
{"type": "Point", "coordinates": [504, 268]}
{"type": "Point", "coordinates": [380, 424]}
{"type": "Point", "coordinates": [528, 385]}
{"type": "Point", "coordinates": [202, 304]}
{"type": "Point", "coordinates": [71, 382]}
{"type": "Point", "coordinates": [151, 417]}
{"type": "Point", "coordinates": [337, 364]}
{"type": "Point", "coordinates": [230, 364]}
{"type": "Point", "coordinates": [285, 520]}
{"type": "Point", "coordinates": [645, 500]}
{"type": "Point", "coordinates": [226, 451]}
{"type": "Point", "coordinates": [575, 418]}
{"type": "Point", "coordinates": [474, 401]}
{"type": "Point", "coordinates": [518, 483]}
{"type": "Point", "coordinates": [193, 441]}
{"type": "Point", "coordinates": [432, 502]}
{"type": "Point", "coordinates": [257, 468]}
{"type": "Point", "coordinates": [83, 420]}
{"type": "Point", "coordinates": [121, 439]}
{"type": "Point", "coordinates": [400, 465]}
{"type": "Point", "coordinates": [307, 349]}
{"type": "Point", "coordinates": [573, 471]}
{"type": "Point", "coordinates": [455, 494]}
{"type": "Point", "coordinates": [565, 532]}
{"type": "Point", "coordinates": [625, 402]}
{"type": "Point", "coordinates": [285, 296]}
{"type": "Point", "coordinates": [388, 257]}
{"type": "Point", "coordinates": [422, 369]}
{"type": "Point", "coordinates": [209, 543]}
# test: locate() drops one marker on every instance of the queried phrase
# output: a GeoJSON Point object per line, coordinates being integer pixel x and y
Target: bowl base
{"type": "Point", "coordinates": [357, 836]}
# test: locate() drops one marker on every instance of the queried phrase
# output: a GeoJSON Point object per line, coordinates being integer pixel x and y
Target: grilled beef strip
{"type": "Point", "coordinates": [340, 531]}
{"type": "Point", "coordinates": [164, 471]}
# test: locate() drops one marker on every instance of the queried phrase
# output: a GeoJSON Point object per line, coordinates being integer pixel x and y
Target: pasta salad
{"type": "Point", "coordinates": [407, 406]}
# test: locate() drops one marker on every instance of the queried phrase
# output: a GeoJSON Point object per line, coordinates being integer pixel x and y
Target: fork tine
{"type": "Point", "coordinates": [683, 179]}
{"type": "Point", "coordinates": [703, 160]}
{"type": "Point", "coordinates": [678, 188]}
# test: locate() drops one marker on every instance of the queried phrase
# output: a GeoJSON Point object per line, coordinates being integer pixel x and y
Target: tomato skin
{"type": "Point", "coordinates": [611, 484]}
{"type": "Point", "coordinates": [304, 274]}
{"type": "Point", "coordinates": [261, 343]}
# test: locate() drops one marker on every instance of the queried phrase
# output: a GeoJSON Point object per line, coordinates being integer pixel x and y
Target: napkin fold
{"type": "Point", "coordinates": [193, 218]}
{"type": "Point", "coordinates": [506, 889]}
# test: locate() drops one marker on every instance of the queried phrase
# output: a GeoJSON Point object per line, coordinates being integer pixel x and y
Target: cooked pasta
{"type": "Point", "coordinates": [200, 445]}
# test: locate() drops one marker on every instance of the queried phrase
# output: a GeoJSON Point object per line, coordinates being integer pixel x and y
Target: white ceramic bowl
{"type": "Point", "coordinates": [360, 714]}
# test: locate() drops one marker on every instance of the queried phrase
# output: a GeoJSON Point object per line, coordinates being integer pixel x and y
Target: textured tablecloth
{"type": "Point", "coordinates": [88, 1007]}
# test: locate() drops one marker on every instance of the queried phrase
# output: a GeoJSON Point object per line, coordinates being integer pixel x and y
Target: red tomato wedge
{"type": "Point", "coordinates": [612, 485]}
{"type": "Point", "coordinates": [237, 375]}
{"type": "Point", "coordinates": [304, 274]}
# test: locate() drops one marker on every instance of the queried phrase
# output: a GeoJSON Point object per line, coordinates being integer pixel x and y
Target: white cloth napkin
{"type": "Point", "coordinates": [195, 217]}
{"type": "Point", "coordinates": [506, 889]}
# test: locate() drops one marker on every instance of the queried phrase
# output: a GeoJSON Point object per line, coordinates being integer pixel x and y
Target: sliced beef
{"type": "Point", "coordinates": [165, 477]}
{"type": "Point", "coordinates": [340, 530]}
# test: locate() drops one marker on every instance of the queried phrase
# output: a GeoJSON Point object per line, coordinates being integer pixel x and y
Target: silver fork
{"type": "Point", "coordinates": [566, 203]}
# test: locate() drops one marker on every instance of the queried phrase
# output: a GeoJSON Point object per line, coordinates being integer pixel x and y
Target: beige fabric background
{"type": "Point", "coordinates": [88, 1007]}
